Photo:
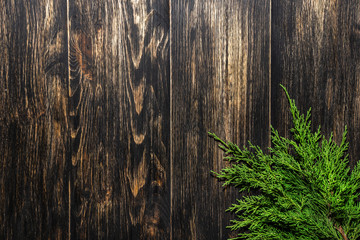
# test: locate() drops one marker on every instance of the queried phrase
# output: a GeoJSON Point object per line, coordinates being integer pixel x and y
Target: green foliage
{"type": "Point", "coordinates": [305, 187]}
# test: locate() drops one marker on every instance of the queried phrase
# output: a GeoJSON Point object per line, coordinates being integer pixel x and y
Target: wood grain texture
{"type": "Point", "coordinates": [315, 54]}
{"type": "Point", "coordinates": [220, 61]}
{"type": "Point", "coordinates": [33, 125]}
{"type": "Point", "coordinates": [120, 114]}
{"type": "Point", "coordinates": [104, 111]}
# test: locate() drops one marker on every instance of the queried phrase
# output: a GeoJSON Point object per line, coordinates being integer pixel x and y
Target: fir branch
{"type": "Point", "coordinates": [305, 187]}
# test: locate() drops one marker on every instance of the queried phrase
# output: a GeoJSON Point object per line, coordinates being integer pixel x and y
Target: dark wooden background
{"type": "Point", "coordinates": [105, 106]}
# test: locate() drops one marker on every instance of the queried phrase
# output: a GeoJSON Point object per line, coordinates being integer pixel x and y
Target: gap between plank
{"type": "Point", "coordinates": [68, 94]}
{"type": "Point", "coordinates": [171, 123]}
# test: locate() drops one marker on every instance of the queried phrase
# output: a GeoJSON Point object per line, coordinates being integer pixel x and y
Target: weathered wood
{"type": "Point", "coordinates": [315, 54]}
{"type": "Point", "coordinates": [220, 53]}
{"type": "Point", "coordinates": [88, 149]}
{"type": "Point", "coordinates": [33, 125]}
{"type": "Point", "coordinates": [119, 115]}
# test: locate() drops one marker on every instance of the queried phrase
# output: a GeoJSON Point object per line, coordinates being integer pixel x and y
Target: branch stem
{"type": "Point", "coordinates": [341, 231]}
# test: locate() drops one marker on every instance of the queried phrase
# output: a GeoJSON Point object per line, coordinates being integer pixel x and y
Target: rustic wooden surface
{"type": "Point", "coordinates": [33, 120]}
{"type": "Point", "coordinates": [316, 55]}
{"type": "Point", "coordinates": [220, 52]}
{"type": "Point", "coordinates": [120, 114]}
{"type": "Point", "coordinates": [105, 106]}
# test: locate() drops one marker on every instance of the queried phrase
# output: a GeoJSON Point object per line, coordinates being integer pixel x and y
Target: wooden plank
{"type": "Point", "coordinates": [33, 113]}
{"type": "Point", "coordinates": [315, 54]}
{"type": "Point", "coordinates": [220, 68]}
{"type": "Point", "coordinates": [119, 116]}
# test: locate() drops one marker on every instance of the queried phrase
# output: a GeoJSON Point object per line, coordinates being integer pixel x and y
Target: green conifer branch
{"type": "Point", "coordinates": [305, 187]}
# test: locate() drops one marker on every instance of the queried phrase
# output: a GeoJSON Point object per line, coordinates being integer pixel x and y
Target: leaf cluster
{"type": "Point", "coordinates": [305, 188]}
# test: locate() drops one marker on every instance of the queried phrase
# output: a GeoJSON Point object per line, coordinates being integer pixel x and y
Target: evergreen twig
{"type": "Point", "coordinates": [306, 188]}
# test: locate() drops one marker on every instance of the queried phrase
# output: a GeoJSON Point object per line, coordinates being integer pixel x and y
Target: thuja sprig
{"type": "Point", "coordinates": [305, 187]}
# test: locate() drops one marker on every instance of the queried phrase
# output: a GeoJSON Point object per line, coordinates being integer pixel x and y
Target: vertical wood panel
{"type": "Point", "coordinates": [220, 56]}
{"type": "Point", "coordinates": [315, 54]}
{"type": "Point", "coordinates": [33, 112]}
{"type": "Point", "coordinates": [120, 115]}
